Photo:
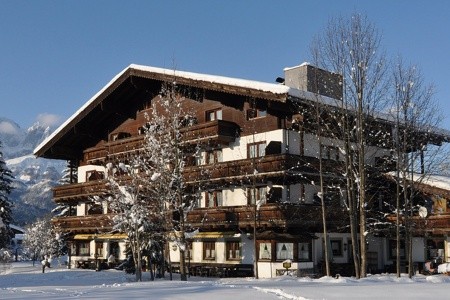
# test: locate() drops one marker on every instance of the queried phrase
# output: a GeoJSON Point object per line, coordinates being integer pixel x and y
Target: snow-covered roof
{"type": "Point", "coordinates": [237, 82]}
{"type": "Point", "coordinates": [437, 181]}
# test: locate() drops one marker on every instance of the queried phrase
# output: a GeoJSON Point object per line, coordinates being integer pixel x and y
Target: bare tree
{"type": "Point", "coordinates": [416, 117]}
{"type": "Point", "coordinates": [351, 47]}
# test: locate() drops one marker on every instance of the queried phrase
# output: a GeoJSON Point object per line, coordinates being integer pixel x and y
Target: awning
{"type": "Point", "coordinates": [271, 235]}
{"type": "Point", "coordinates": [215, 235]}
{"type": "Point", "coordinates": [103, 236]}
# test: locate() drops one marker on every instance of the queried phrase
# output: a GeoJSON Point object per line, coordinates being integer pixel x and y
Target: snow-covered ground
{"type": "Point", "coordinates": [23, 281]}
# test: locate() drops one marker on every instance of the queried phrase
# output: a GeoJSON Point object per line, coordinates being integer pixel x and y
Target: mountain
{"type": "Point", "coordinates": [34, 177]}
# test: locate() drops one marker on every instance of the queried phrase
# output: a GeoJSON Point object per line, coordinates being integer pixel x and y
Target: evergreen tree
{"type": "Point", "coordinates": [6, 178]}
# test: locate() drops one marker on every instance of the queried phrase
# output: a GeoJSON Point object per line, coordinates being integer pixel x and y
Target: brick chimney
{"type": "Point", "coordinates": [309, 78]}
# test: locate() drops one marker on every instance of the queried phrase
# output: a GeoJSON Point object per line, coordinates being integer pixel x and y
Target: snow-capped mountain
{"type": "Point", "coordinates": [34, 177]}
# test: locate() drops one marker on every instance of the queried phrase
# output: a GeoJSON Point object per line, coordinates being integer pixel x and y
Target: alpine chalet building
{"type": "Point", "coordinates": [259, 148]}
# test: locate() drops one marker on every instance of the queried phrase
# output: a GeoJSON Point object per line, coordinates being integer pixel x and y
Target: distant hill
{"type": "Point", "coordinates": [34, 177]}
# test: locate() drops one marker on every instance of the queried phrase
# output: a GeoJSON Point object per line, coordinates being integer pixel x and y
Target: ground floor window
{"type": "Point", "coordinates": [188, 251]}
{"type": "Point", "coordinates": [304, 251]}
{"type": "Point", "coordinates": [285, 251]}
{"type": "Point", "coordinates": [265, 251]}
{"type": "Point", "coordinates": [209, 250]}
{"type": "Point", "coordinates": [336, 247]}
{"type": "Point", "coordinates": [233, 250]}
{"type": "Point", "coordinates": [393, 249]}
{"type": "Point", "coordinates": [435, 248]}
{"type": "Point", "coordinates": [80, 249]}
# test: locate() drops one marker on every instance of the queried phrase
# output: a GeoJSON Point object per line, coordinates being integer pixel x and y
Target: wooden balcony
{"type": "Point", "coordinates": [84, 224]}
{"type": "Point", "coordinates": [432, 224]}
{"type": "Point", "coordinates": [217, 132]}
{"type": "Point", "coordinates": [113, 148]}
{"type": "Point", "coordinates": [268, 166]}
{"type": "Point", "coordinates": [78, 191]}
{"type": "Point", "coordinates": [285, 216]}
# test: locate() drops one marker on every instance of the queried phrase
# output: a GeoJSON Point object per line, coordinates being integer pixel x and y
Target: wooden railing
{"type": "Point", "coordinates": [77, 191]}
{"type": "Point", "coordinates": [434, 223]}
{"type": "Point", "coordinates": [268, 167]}
{"type": "Point", "coordinates": [269, 215]}
{"type": "Point", "coordinates": [84, 224]}
{"type": "Point", "coordinates": [274, 165]}
{"type": "Point", "coordinates": [218, 131]}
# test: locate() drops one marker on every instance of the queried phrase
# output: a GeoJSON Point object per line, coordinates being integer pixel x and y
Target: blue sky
{"type": "Point", "coordinates": [54, 55]}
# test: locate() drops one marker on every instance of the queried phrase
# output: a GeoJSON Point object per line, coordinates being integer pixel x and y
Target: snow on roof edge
{"type": "Point", "coordinates": [437, 181]}
{"type": "Point", "coordinates": [300, 65]}
{"type": "Point", "coordinates": [244, 83]}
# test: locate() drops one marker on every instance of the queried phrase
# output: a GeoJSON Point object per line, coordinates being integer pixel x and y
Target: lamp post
{"type": "Point", "coordinates": [96, 255]}
{"type": "Point", "coordinates": [69, 254]}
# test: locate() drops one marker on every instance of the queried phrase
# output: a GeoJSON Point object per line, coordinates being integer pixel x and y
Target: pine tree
{"type": "Point", "coordinates": [6, 178]}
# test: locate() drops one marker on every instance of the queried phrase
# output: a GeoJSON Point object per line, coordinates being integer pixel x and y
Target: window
{"type": "Point", "coordinates": [82, 249]}
{"type": "Point", "coordinates": [285, 251]}
{"type": "Point", "coordinates": [94, 209]}
{"type": "Point", "coordinates": [119, 136]}
{"type": "Point", "coordinates": [188, 251]}
{"type": "Point", "coordinates": [265, 251]}
{"type": "Point", "coordinates": [94, 175]}
{"type": "Point", "coordinates": [209, 250]}
{"type": "Point", "coordinates": [304, 253]}
{"type": "Point", "coordinates": [274, 195]}
{"type": "Point", "coordinates": [214, 156]}
{"type": "Point", "coordinates": [99, 249]}
{"type": "Point", "coordinates": [257, 194]}
{"type": "Point", "coordinates": [330, 152]}
{"type": "Point", "coordinates": [393, 249]}
{"type": "Point", "coordinates": [233, 251]}
{"type": "Point", "coordinates": [256, 149]}
{"type": "Point", "coordinates": [214, 199]}
{"type": "Point", "coordinates": [336, 247]}
{"type": "Point", "coordinates": [253, 113]}
{"type": "Point", "coordinates": [214, 115]}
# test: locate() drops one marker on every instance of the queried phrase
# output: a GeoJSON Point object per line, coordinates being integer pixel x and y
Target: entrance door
{"type": "Point", "coordinates": [114, 249]}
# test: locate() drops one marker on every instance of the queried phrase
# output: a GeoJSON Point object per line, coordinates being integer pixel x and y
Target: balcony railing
{"type": "Point", "coordinates": [271, 215]}
{"type": "Point", "coordinates": [218, 131]}
{"type": "Point", "coordinates": [77, 191]}
{"type": "Point", "coordinates": [274, 165]}
{"type": "Point", "coordinates": [84, 224]}
{"type": "Point", "coordinates": [268, 167]}
{"type": "Point", "coordinates": [434, 223]}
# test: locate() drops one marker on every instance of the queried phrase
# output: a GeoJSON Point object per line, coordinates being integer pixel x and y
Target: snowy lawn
{"type": "Point", "coordinates": [23, 281]}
